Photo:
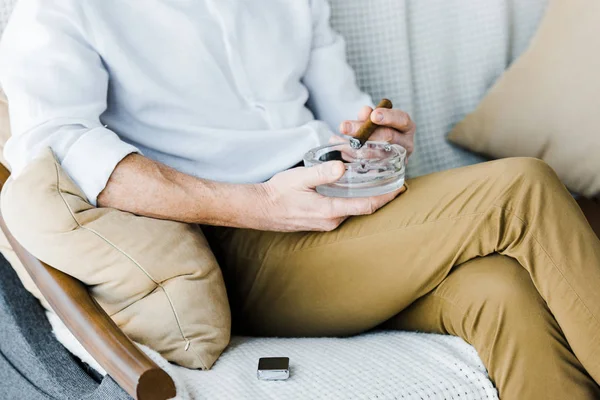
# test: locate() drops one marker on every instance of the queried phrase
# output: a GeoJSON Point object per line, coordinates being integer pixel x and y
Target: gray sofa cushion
{"type": "Point", "coordinates": [33, 364]}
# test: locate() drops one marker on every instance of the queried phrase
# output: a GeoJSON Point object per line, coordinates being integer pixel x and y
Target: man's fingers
{"type": "Point", "coordinates": [396, 119]}
{"type": "Point", "coordinates": [335, 139]}
{"type": "Point", "coordinates": [381, 134]}
{"type": "Point", "coordinates": [330, 224]}
{"type": "Point", "coordinates": [391, 196]}
{"type": "Point", "coordinates": [341, 207]}
{"type": "Point", "coordinates": [392, 136]}
{"type": "Point", "coordinates": [393, 119]}
{"type": "Point", "coordinates": [322, 174]}
{"type": "Point", "coordinates": [384, 135]}
{"type": "Point", "coordinates": [350, 128]}
{"type": "Point", "coordinates": [364, 113]}
{"type": "Point", "coordinates": [380, 201]}
{"type": "Point", "coordinates": [361, 206]}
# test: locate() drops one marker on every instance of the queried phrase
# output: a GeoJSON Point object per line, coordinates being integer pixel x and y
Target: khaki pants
{"type": "Point", "coordinates": [427, 261]}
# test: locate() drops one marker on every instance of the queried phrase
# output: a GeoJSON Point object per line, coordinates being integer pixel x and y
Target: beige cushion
{"type": "Point", "coordinates": [157, 279]}
{"type": "Point", "coordinates": [22, 273]}
{"type": "Point", "coordinates": [547, 105]}
{"type": "Point", "coordinates": [5, 248]}
{"type": "Point", "coordinates": [4, 126]}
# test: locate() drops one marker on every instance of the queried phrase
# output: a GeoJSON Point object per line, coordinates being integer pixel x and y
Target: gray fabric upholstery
{"type": "Point", "coordinates": [13, 385]}
{"type": "Point", "coordinates": [33, 365]}
{"type": "Point", "coordinates": [6, 7]}
{"type": "Point", "coordinates": [108, 390]}
{"type": "Point", "coordinates": [434, 59]}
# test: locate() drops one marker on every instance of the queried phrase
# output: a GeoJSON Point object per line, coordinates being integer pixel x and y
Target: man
{"type": "Point", "coordinates": [196, 111]}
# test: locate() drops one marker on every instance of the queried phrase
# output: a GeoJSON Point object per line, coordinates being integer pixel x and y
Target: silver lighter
{"type": "Point", "coordinates": [273, 368]}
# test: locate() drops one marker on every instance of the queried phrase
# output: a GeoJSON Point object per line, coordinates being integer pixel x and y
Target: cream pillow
{"type": "Point", "coordinates": [4, 126]}
{"type": "Point", "coordinates": [5, 247]}
{"type": "Point", "coordinates": [157, 279]}
{"type": "Point", "coordinates": [547, 105]}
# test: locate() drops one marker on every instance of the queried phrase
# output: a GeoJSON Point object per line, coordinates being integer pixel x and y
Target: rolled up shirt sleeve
{"type": "Point", "coordinates": [331, 82]}
{"type": "Point", "coordinates": [57, 88]}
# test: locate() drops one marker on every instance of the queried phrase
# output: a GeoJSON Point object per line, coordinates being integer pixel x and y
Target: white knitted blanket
{"type": "Point", "coordinates": [378, 365]}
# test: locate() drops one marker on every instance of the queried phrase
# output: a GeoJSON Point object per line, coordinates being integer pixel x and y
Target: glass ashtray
{"type": "Point", "coordinates": [375, 169]}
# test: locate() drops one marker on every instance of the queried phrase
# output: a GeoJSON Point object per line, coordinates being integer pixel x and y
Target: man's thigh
{"type": "Point", "coordinates": [366, 271]}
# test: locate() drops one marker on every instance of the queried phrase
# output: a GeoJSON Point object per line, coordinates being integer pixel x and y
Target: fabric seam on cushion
{"type": "Point", "coordinates": [130, 258]}
{"type": "Point", "coordinates": [149, 293]}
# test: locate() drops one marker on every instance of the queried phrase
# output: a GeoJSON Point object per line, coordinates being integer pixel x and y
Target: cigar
{"type": "Point", "coordinates": [367, 129]}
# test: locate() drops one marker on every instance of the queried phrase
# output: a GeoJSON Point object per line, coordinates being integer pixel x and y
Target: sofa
{"type": "Point", "coordinates": [434, 59]}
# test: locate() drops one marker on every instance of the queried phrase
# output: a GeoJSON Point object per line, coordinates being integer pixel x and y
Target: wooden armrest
{"type": "Point", "coordinates": [100, 336]}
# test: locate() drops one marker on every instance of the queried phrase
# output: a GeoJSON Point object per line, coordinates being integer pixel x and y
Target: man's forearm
{"type": "Point", "coordinates": [145, 187]}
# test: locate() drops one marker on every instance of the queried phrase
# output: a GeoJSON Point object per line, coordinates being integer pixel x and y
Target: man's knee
{"type": "Point", "coordinates": [512, 312]}
{"type": "Point", "coordinates": [527, 168]}
{"type": "Point", "coordinates": [501, 293]}
{"type": "Point", "coordinates": [513, 296]}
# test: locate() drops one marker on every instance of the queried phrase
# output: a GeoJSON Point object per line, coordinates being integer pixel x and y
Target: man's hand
{"type": "Point", "coordinates": [292, 204]}
{"type": "Point", "coordinates": [396, 127]}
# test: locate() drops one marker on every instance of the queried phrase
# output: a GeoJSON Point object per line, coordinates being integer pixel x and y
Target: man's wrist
{"type": "Point", "coordinates": [145, 187]}
{"type": "Point", "coordinates": [252, 206]}
{"type": "Point", "coordinates": [237, 205]}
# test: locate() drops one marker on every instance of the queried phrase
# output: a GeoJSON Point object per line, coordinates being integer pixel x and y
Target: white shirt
{"type": "Point", "coordinates": [213, 88]}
